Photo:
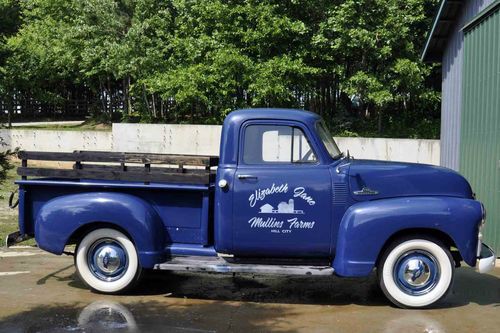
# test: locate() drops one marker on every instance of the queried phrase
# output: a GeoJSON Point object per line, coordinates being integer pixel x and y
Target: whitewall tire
{"type": "Point", "coordinates": [106, 260]}
{"type": "Point", "coordinates": [416, 272]}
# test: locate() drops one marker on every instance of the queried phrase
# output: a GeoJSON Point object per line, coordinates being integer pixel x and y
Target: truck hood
{"type": "Point", "coordinates": [369, 180]}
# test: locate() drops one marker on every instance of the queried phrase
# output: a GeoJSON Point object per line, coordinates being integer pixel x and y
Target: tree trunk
{"type": "Point", "coordinates": [153, 103]}
{"type": "Point", "coordinates": [125, 97]}
{"type": "Point", "coordinates": [323, 97]}
{"type": "Point", "coordinates": [379, 122]}
{"type": "Point", "coordinates": [9, 111]}
{"type": "Point", "coordinates": [102, 97]}
{"type": "Point", "coordinates": [329, 100]}
{"type": "Point", "coordinates": [129, 100]}
{"type": "Point", "coordinates": [110, 108]}
{"type": "Point", "coordinates": [145, 97]}
{"type": "Point", "coordinates": [162, 108]}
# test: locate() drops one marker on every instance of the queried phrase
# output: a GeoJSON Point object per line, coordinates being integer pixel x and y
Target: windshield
{"type": "Point", "coordinates": [328, 141]}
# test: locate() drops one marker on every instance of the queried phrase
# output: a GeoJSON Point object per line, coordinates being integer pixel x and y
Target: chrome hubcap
{"type": "Point", "coordinates": [416, 272]}
{"type": "Point", "coordinates": [107, 260]}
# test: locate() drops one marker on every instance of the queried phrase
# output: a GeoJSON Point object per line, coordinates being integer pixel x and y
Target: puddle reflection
{"type": "Point", "coordinates": [109, 316]}
{"type": "Point", "coordinates": [106, 316]}
{"type": "Point", "coordinates": [414, 322]}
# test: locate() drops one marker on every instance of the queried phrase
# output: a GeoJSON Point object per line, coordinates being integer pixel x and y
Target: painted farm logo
{"type": "Point", "coordinates": [283, 208]}
{"type": "Point", "coordinates": [268, 207]}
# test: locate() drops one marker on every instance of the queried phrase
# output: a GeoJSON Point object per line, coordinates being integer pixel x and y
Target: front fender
{"type": "Point", "coordinates": [367, 226]}
{"type": "Point", "coordinates": [59, 218]}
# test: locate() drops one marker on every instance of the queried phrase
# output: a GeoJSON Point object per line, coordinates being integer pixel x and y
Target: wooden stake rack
{"type": "Point", "coordinates": [184, 169]}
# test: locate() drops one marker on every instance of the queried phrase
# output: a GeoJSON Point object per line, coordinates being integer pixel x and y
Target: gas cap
{"type": "Point", "coordinates": [223, 183]}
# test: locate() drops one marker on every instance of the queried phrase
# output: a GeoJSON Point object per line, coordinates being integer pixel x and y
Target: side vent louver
{"type": "Point", "coordinates": [340, 193]}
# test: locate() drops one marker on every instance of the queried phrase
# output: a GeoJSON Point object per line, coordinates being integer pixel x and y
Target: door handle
{"type": "Point", "coordinates": [247, 177]}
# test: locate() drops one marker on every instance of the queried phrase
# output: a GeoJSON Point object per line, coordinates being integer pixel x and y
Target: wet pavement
{"type": "Point", "coordinates": [40, 293]}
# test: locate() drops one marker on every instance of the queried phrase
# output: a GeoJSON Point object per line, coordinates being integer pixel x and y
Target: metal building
{"type": "Point", "coordinates": [465, 38]}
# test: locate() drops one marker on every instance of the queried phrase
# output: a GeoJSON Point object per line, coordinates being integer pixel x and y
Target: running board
{"type": "Point", "coordinates": [221, 265]}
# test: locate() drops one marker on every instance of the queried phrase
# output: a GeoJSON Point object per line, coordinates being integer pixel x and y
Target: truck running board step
{"type": "Point", "coordinates": [221, 265]}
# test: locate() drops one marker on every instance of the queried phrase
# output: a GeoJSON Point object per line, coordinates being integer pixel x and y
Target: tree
{"type": "Point", "coordinates": [9, 24]}
{"type": "Point", "coordinates": [5, 164]}
{"type": "Point", "coordinates": [378, 44]}
{"type": "Point", "coordinates": [355, 62]}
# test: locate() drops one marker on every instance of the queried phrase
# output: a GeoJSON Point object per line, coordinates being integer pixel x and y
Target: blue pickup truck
{"type": "Point", "coordinates": [281, 199]}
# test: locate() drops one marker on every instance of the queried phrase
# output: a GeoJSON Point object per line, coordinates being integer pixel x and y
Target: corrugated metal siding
{"type": "Point", "coordinates": [452, 86]}
{"type": "Point", "coordinates": [480, 131]}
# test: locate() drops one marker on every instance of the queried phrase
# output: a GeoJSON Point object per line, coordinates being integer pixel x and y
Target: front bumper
{"type": "Point", "coordinates": [486, 259]}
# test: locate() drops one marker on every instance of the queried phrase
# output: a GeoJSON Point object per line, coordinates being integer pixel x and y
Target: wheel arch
{"type": "Point", "coordinates": [66, 219]}
{"type": "Point", "coordinates": [367, 227]}
{"type": "Point", "coordinates": [435, 233]}
{"type": "Point", "coordinates": [83, 230]}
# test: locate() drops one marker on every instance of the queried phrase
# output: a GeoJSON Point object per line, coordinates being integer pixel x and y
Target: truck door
{"type": "Point", "coordinates": [282, 193]}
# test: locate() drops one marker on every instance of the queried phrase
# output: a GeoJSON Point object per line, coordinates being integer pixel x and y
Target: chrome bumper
{"type": "Point", "coordinates": [15, 238]}
{"type": "Point", "coordinates": [486, 259]}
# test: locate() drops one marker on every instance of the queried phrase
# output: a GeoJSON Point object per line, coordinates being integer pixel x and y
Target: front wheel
{"type": "Point", "coordinates": [106, 260]}
{"type": "Point", "coordinates": [416, 272]}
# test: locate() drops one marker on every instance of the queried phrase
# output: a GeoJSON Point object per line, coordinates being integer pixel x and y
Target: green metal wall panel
{"type": "Point", "coordinates": [480, 124]}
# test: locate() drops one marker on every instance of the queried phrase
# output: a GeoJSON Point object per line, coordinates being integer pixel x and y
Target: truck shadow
{"type": "Point", "coordinates": [469, 287]}
{"type": "Point", "coordinates": [254, 288]}
{"type": "Point", "coordinates": [57, 275]}
{"type": "Point", "coordinates": [472, 287]}
{"type": "Point", "coordinates": [263, 288]}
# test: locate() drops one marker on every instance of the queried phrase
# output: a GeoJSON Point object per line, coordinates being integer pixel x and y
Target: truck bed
{"type": "Point", "coordinates": [177, 187]}
{"type": "Point", "coordinates": [183, 209]}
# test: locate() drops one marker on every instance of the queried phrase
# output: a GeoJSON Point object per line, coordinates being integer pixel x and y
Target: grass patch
{"type": "Point", "coordinates": [86, 126]}
{"type": "Point", "coordinates": [8, 185]}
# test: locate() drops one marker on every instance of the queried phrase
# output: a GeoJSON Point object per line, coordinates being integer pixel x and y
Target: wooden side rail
{"type": "Point", "coordinates": [116, 166]}
{"type": "Point", "coordinates": [99, 156]}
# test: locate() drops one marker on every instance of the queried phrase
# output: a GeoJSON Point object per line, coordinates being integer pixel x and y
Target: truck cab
{"type": "Point", "coordinates": [275, 184]}
{"type": "Point", "coordinates": [280, 199]}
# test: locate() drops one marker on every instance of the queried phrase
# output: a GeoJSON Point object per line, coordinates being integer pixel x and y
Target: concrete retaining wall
{"type": "Point", "coordinates": [64, 141]}
{"type": "Point", "coordinates": [199, 140]}
{"type": "Point", "coordinates": [405, 150]}
{"type": "Point", "coordinates": [170, 139]}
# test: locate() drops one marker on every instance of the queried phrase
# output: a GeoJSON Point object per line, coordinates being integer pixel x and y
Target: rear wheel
{"type": "Point", "coordinates": [416, 272]}
{"type": "Point", "coordinates": [106, 260]}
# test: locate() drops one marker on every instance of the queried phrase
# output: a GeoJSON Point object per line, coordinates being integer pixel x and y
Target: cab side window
{"type": "Point", "coordinates": [272, 144]}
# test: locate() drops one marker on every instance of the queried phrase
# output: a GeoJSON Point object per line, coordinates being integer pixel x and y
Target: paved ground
{"type": "Point", "coordinates": [39, 293]}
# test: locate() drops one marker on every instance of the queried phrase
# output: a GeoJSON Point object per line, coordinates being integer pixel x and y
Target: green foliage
{"type": "Point", "coordinates": [195, 61]}
{"type": "Point", "coordinates": [5, 164]}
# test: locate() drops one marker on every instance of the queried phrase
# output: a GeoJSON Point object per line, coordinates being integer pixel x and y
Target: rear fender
{"type": "Point", "coordinates": [61, 217]}
{"type": "Point", "coordinates": [366, 227]}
